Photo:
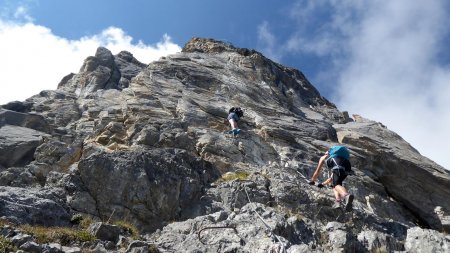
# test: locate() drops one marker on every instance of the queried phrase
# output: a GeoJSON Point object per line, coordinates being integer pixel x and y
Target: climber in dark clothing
{"type": "Point", "coordinates": [338, 178]}
{"type": "Point", "coordinates": [339, 165]}
{"type": "Point", "coordinates": [234, 115]}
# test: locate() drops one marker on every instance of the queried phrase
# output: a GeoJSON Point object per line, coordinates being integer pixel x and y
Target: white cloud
{"type": "Point", "coordinates": [34, 59]}
{"type": "Point", "coordinates": [267, 41]}
{"type": "Point", "coordinates": [22, 13]}
{"type": "Point", "coordinates": [385, 55]}
{"type": "Point", "coordinates": [394, 76]}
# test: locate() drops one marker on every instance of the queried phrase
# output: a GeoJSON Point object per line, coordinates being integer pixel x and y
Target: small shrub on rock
{"type": "Point", "coordinates": [6, 245]}
{"type": "Point", "coordinates": [83, 221]}
{"type": "Point", "coordinates": [128, 228]}
{"type": "Point", "coordinates": [237, 175]}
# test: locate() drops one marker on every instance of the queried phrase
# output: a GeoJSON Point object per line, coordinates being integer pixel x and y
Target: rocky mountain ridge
{"type": "Point", "coordinates": [120, 140]}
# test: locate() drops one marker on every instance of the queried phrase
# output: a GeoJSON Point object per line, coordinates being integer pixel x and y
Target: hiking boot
{"type": "Point", "coordinates": [348, 200]}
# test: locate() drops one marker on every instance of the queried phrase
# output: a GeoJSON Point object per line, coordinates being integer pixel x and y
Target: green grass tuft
{"type": "Point", "coordinates": [4, 222]}
{"type": "Point", "coordinates": [64, 236]}
{"type": "Point", "coordinates": [153, 249]}
{"type": "Point", "coordinates": [129, 228]}
{"type": "Point", "coordinates": [85, 222]}
{"type": "Point", "coordinates": [6, 245]}
{"type": "Point", "coordinates": [237, 175]}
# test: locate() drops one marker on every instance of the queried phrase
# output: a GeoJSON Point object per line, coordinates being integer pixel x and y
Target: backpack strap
{"type": "Point", "coordinates": [337, 168]}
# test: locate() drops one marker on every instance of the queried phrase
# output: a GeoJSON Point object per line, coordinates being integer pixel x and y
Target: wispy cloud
{"type": "Point", "coordinates": [21, 13]}
{"type": "Point", "coordinates": [385, 56]}
{"type": "Point", "coordinates": [267, 42]}
{"type": "Point", "coordinates": [34, 58]}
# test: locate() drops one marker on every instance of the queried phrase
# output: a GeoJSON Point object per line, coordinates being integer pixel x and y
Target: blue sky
{"type": "Point", "coordinates": [385, 60]}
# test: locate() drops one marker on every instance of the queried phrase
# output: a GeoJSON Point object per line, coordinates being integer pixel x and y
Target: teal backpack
{"type": "Point", "coordinates": [339, 151]}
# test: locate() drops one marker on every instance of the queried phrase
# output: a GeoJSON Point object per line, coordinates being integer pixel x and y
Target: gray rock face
{"type": "Point", "coordinates": [17, 145]}
{"type": "Point", "coordinates": [401, 169]}
{"type": "Point", "coordinates": [33, 206]}
{"type": "Point", "coordinates": [59, 108]}
{"type": "Point", "coordinates": [18, 106]}
{"type": "Point", "coordinates": [128, 66]}
{"type": "Point", "coordinates": [228, 232]}
{"type": "Point", "coordinates": [17, 177]}
{"type": "Point", "coordinates": [370, 241]}
{"type": "Point", "coordinates": [103, 71]}
{"type": "Point", "coordinates": [124, 141]}
{"type": "Point", "coordinates": [33, 121]}
{"type": "Point", "coordinates": [424, 240]}
{"type": "Point", "coordinates": [146, 187]}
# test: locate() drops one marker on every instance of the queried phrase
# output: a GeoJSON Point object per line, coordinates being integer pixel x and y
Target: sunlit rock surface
{"type": "Point", "coordinates": [147, 144]}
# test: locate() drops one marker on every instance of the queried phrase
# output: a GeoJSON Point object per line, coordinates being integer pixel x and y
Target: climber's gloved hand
{"type": "Point", "coordinates": [320, 185]}
{"type": "Point", "coordinates": [311, 182]}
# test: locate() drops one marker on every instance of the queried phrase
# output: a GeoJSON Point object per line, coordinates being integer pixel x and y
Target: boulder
{"type": "Point", "coordinates": [18, 106]}
{"type": "Point", "coordinates": [140, 247]}
{"type": "Point", "coordinates": [52, 248]}
{"type": "Point", "coordinates": [17, 145]}
{"type": "Point", "coordinates": [21, 239]}
{"type": "Point", "coordinates": [67, 249]}
{"type": "Point", "coordinates": [28, 120]}
{"type": "Point", "coordinates": [35, 206]}
{"type": "Point", "coordinates": [105, 232]}
{"type": "Point", "coordinates": [31, 247]}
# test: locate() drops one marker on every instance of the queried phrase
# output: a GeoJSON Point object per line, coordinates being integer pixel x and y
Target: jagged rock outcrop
{"type": "Point", "coordinates": [103, 71]}
{"type": "Point", "coordinates": [124, 141]}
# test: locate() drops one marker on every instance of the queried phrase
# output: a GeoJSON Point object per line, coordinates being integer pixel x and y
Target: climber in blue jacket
{"type": "Point", "coordinates": [337, 160]}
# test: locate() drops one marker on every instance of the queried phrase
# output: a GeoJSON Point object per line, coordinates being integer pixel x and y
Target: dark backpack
{"type": "Point", "coordinates": [339, 168]}
{"type": "Point", "coordinates": [237, 110]}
